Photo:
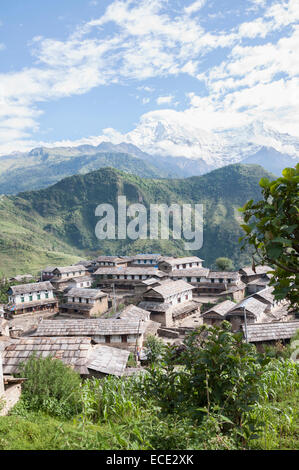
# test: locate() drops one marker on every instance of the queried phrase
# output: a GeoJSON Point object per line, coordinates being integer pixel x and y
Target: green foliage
{"type": "Point", "coordinates": [218, 372]}
{"type": "Point", "coordinates": [153, 349]}
{"type": "Point", "coordinates": [224, 264]}
{"type": "Point", "coordinates": [51, 387]}
{"type": "Point", "coordinates": [272, 228]}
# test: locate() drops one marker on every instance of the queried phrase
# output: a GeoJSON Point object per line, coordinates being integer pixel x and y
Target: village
{"type": "Point", "coordinates": [97, 314]}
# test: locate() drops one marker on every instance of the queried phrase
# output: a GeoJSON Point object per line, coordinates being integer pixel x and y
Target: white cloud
{"type": "Point", "coordinates": [147, 40]}
{"type": "Point", "coordinates": [195, 6]}
{"type": "Point", "coordinates": [164, 99]}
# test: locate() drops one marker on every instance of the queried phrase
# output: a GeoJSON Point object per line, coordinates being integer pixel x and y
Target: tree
{"type": "Point", "coordinates": [225, 264]}
{"type": "Point", "coordinates": [272, 228]}
{"type": "Point", "coordinates": [153, 348]}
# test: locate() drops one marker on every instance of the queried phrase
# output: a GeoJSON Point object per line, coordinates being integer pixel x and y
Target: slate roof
{"type": "Point", "coordinates": [222, 308]}
{"type": "Point", "coordinates": [252, 305]}
{"type": "Point", "coordinates": [169, 288]}
{"type": "Point", "coordinates": [108, 360]}
{"type": "Point", "coordinates": [155, 306]}
{"type": "Point", "coordinates": [248, 271]}
{"type": "Point", "coordinates": [70, 269]}
{"type": "Point", "coordinates": [32, 287]}
{"type": "Point", "coordinates": [177, 261]}
{"type": "Point", "coordinates": [85, 293]}
{"type": "Point", "coordinates": [224, 275]}
{"type": "Point", "coordinates": [190, 272]}
{"type": "Point", "coordinates": [265, 294]}
{"type": "Point", "coordinates": [72, 351]}
{"type": "Point", "coordinates": [88, 327]}
{"type": "Point", "coordinates": [132, 271]}
{"type": "Point", "coordinates": [131, 312]}
{"type": "Point", "coordinates": [187, 307]}
{"type": "Point", "coordinates": [259, 332]}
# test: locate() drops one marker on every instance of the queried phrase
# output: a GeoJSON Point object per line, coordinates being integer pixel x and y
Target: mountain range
{"type": "Point", "coordinates": [56, 225]}
{"type": "Point", "coordinates": [170, 153]}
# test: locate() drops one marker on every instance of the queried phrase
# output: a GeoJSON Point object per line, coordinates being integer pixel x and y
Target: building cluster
{"type": "Point", "coordinates": [94, 314]}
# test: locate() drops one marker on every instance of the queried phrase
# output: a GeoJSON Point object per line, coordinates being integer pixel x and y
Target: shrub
{"type": "Point", "coordinates": [51, 387]}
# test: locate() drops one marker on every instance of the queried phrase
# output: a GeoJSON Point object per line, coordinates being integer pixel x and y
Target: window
{"type": "Point", "coordinates": [38, 296]}
{"type": "Point", "coordinates": [124, 338]}
{"type": "Point", "coordinates": [22, 299]}
{"type": "Point", "coordinates": [30, 298]}
{"type": "Point", "coordinates": [47, 295]}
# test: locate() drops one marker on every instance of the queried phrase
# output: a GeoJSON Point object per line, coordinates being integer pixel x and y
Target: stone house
{"type": "Point", "coordinates": [124, 334]}
{"type": "Point", "coordinates": [256, 312]}
{"type": "Point", "coordinates": [262, 334]}
{"type": "Point", "coordinates": [76, 352]}
{"type": "Point", "coordinates": [168, 264]}
{"type": "Point", "coordinates": [87, 302]}
{"type": "Point", "coordinates": [216, 314]}
{"type": "Point", "coordinates": [31, 298]}
{"type": "Point", "coordinates": [62, 276]}
{"type": "Point", "coordinates": [125, 278]}
{"type": "Point", "coordinates": [169, 302]}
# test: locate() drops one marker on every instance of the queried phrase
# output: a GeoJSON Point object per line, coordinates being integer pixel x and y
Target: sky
{"type": "Point", "coordinates": [83, 71]}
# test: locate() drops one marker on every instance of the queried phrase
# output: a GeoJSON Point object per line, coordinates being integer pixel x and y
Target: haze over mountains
{"type": "Point", "coordinates": [165, 150]}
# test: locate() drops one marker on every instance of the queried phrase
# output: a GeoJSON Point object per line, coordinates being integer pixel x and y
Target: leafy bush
{"type": "Point", "coordinates": [51, 387]}
{"type": "Point", "coordinates": [153, 349]}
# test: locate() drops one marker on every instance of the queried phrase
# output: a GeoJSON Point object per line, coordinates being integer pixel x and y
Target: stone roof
{"type": "Point", "coordinates": [31, 287]}
{"type": "Point", "coordinates": [252, 305]}
{"type": "Point", "coordinates": [132, 271]}
{"type": "Point", "coordinates": [265, 294]}
{"type": "Point", "coordinates": [85, 293]}
{"type": "Point", "coordinates": [70, 269]}
{"type": "Point", "coordinates": [222, 308]}
{"type": "Point", "coordinates": [177, 261]}
{"type": "Point", "coordinates": [110, 259]}
{"type": "Point", "coordinates": [88, 327]}
{"type": "Point", "coordinates": [48, 269]}
{"type": "Point", "coordinates": [190, 272]}
{"type": "Point", "coordinates": [131, 312]}
{"type": "Point", "coordinates": [72, 351]}
{"type": "Point", "coordinates": [248, 271]}
{"type": "Point", "coordinates": [259, 332]}
{"type": "Point", "coordinates": [146, 256]}
{"type": "Point", "coordinates": [224, 275]}
{"type": "Point", "coordinates": [186, 307]}
{"type": "Point", "coordinates": [108, 360]}
{"type": "Point", "coordinates": [169, 288]}
{"type": "Point", "coordinates": [154, 306]}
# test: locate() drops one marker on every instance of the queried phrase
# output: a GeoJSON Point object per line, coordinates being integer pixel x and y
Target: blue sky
{"type": "Point", "coordinates": [75, 71]}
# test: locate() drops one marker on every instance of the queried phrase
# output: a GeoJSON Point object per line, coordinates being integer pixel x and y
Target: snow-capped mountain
{"type": "Point", "coordinates": [175, 138]}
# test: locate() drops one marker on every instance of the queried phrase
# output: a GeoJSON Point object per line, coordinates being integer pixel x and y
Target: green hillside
{"type": "Point", "coordinates": [56, 225]}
